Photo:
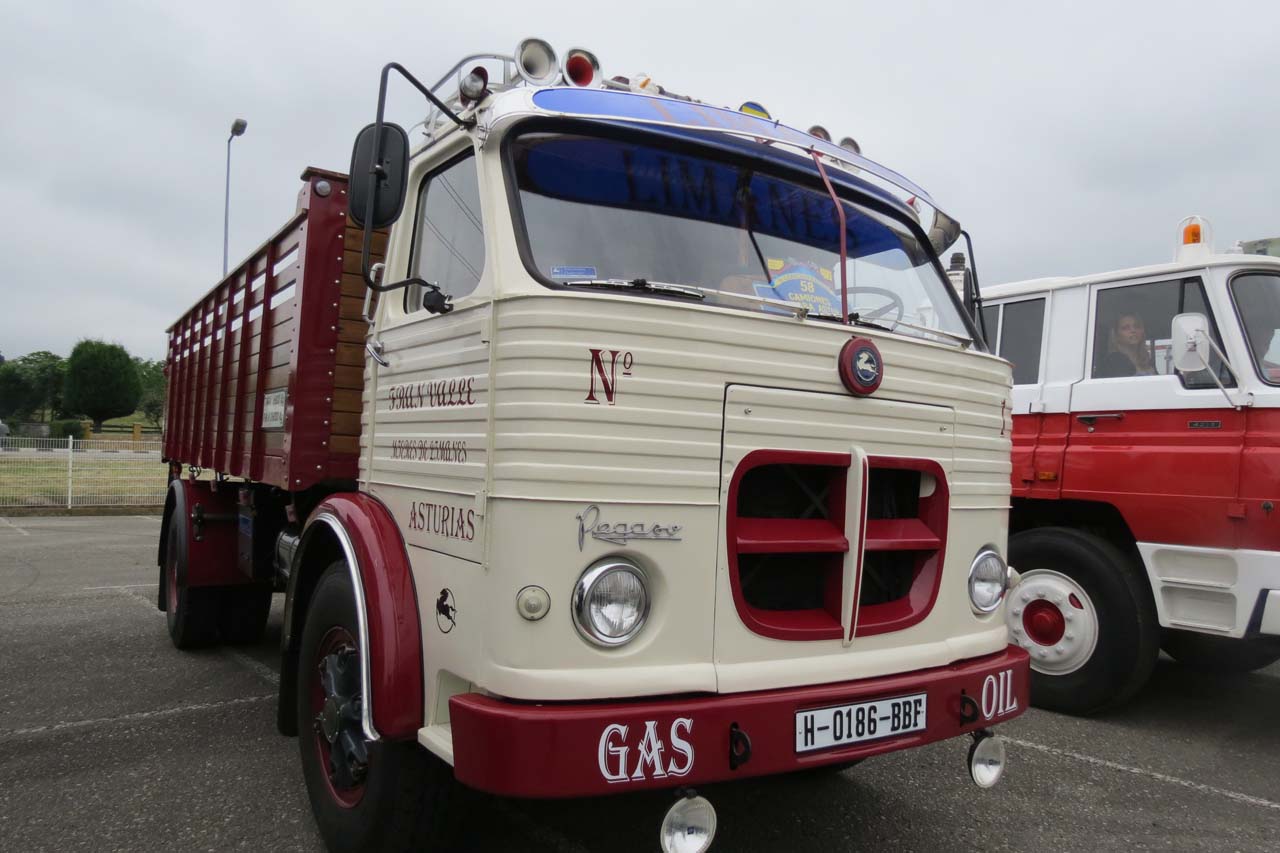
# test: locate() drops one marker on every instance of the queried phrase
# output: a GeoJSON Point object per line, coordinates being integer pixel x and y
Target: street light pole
{"type": "Point", "coordinates": [237, 128]}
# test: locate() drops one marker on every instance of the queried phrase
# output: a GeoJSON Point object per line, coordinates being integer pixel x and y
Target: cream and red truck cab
{"type": "Point", "coordinates": [1146, 469]}
{"type": "Point", "coordinates": [601, 440]}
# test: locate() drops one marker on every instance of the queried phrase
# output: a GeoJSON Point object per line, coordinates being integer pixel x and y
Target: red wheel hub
{"type": "Point", "coordinates": [335, 702]}
{"type": "Point", "coordinates": [1043, 622]}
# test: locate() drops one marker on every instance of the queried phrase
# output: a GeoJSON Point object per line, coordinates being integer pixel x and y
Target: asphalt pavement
{"type": "Point", "coordinates": [111, 739]}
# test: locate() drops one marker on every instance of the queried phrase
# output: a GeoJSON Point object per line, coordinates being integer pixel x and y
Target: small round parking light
{"type": "Point", "coordinates": [610, 602]}
{"type": "Point", "coordinates": [988, 580]}
{"type": "Point", "coordinates": [986, 759]}
{"type": "Point", "coordinates": [533, 602]}
{"type": "Point", "coordinates": [689, 827]}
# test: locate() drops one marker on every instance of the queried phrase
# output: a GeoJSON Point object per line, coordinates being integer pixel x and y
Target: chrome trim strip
{"type": "Point", "coordinates": [362, 621]}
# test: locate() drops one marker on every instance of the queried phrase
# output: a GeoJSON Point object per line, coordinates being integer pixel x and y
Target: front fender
{"type": "Point", "coordinates": [390, 629]}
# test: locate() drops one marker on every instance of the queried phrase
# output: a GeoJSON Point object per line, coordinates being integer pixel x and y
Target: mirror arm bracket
{"type": "Point", "coordinates": [1217, 380]}
{"type": "Point", "coordinates": [375, 170]}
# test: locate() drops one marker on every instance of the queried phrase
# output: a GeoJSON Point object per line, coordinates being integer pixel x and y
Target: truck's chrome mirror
{"type": "Point", "coordinates": [1190, 345]}
{"type": "Point", "coordinates": [379, 176]}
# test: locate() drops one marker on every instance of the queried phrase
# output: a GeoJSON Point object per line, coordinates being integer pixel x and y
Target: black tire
{"type": "Point", "coordinates": [1220, 654]}
{"type": "Point", "coordinates": [242, 613]}
{"type": "Point", "coordinates": [191, 614]}
{"type": "Point", "coordinates": [400, 804]}
{"type": "Point", "coordinates": [1128, 631]}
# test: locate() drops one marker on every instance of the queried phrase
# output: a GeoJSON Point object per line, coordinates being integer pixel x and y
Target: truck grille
{"type": "Point", "coordinates": [788, 549]}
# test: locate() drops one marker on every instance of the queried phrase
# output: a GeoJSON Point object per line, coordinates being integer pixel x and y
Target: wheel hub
{"type": "Point", "coordinates": [338, 722]}
{"type": "Point", "coordinates": [1053, 618]}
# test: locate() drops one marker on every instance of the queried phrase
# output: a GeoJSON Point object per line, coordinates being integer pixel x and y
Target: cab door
{"type": "Point", "coordinates": [1161, 447]}
{"type": "Point", "coordinates": [426, 437]}
{"type": "Point", "coordinates": [1017, 332]}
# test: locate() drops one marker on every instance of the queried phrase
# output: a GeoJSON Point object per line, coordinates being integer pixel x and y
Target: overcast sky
{"type": "Point", "coordinates": [1066, 141]}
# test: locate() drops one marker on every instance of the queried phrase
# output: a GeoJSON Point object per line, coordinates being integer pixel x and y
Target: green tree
{"type": "Point", "coordinates": [44, 371]}
{"type": "Point", "coordinates": [102, 382]}
{"type": "Point", "coordinates": [151, 375]}
{"type": "Point", "coordinates": [16, 393]}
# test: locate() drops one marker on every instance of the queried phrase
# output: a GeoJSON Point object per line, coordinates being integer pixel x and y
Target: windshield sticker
{"type": "Point", "coordinates": [574, 272]}
{"type": "Point", "coordinates": [802, 283]}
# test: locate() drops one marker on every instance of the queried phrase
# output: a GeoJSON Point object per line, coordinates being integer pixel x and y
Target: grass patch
{"type": "Point", "coordinates": [97, 479]}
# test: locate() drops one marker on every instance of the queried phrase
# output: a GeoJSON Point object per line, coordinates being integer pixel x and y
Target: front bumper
{"type": "Point", "coordinates": [532, 750]}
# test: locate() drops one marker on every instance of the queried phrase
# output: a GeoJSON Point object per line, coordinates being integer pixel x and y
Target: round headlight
{"type": "Point", "coordinates": [988, 580]}
{"type": "Point", "coordinates": [610, 602]}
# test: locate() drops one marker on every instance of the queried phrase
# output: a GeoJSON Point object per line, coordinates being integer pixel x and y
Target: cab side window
{"type": "Point", "coordinates": [1131, 334]}
{"type": "Point", "coordinates": [448, 247]}
{"type": "Point", "coordinates": [1015, 331]}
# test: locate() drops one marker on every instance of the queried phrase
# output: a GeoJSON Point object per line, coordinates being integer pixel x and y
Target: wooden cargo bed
{"type": "Point", "coordinates": [291, 418]}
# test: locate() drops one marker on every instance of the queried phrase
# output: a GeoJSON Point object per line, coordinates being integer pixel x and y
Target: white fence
{"type": "Point", "coordinates": [72, 472]}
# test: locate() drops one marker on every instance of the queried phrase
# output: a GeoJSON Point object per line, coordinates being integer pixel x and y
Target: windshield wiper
{"type": "Point", "coordinates": [855, 320]}
{"type": "Point", "coordinates": [694, 292]}
{"type": "Point", "coordinates": [643, 285]}
{"type": "Point", "coordinates": [961, 339]}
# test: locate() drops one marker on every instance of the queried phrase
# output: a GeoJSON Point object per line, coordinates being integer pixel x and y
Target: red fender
{"type": "Point", "coordinates": [393, 657]}
{"type": "Point", "coordinates": [211, 544]}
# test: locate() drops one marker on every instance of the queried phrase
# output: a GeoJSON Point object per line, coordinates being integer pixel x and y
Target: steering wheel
{"type": "Point", "coordinates": [894, 305]}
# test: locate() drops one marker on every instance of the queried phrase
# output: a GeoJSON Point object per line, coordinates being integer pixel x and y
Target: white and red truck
{"type": "Point", "coordinates": [1146, 469]}
{"type": "Point", "coordinates": [600, 440]}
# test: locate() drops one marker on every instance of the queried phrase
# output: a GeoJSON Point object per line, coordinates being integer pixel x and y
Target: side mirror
{"type": "Point", "coordinates": [1190, 334]}
{"type": "Point", "coordinates": [379, 173]}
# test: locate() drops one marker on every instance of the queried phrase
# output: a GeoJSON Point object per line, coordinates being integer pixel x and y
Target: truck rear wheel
{"type": "Point", "coordinates": [366, 796]}
{"type": "Point", "coordinates": [1085, 615]}
{"type": "Point", "coordinates": [191, 613]}
{"type": "Point", "coordinates": [1220, 654]}
{"type": "Point", "coordinates": [242, 613]}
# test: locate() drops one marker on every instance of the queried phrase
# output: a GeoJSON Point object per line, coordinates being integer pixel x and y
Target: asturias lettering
{"type": "Point", "coordinates": [451, 522]}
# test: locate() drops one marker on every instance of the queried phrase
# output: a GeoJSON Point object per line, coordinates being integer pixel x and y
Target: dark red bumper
{"type": "Point", "coordinates": [570, 750]}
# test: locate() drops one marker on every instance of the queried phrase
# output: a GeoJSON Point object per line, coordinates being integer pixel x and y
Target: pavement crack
{"type": "Point", "coordinates": [10, 734]}
{"type": "Point", "coordinates": [1150, 774]}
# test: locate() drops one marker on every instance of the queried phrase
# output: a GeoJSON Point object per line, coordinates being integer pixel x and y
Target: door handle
{"type": "Point", "coordinates": [374, 348]}
{"type": "Point", "coordinates": [1090, 420]}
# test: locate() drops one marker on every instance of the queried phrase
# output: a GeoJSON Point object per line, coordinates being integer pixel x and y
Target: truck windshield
{"type": "Point", "coordinates": [598, 209]}
{"type": "Point", "coordinates": [1257, 297]}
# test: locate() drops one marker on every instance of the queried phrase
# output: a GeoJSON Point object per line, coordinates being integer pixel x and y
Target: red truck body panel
{"type": "Point", "coordinates": [286, 322]}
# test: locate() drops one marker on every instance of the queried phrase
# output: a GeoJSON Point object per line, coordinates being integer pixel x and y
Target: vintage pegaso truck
{"type": "Point", "coordinates": [601, 440]}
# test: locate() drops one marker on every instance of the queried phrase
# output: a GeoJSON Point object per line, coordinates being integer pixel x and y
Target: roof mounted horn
{"type": "Point", "coordinates": [536, 62]}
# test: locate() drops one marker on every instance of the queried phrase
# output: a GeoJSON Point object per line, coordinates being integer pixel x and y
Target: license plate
{"type": "Point", "coordinates": [823, 728]}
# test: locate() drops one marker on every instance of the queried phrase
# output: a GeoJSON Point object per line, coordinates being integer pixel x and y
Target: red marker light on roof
{"type": "Point", "coordinates": [581, 68]}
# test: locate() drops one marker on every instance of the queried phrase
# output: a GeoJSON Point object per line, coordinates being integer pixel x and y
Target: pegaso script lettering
{"type": "Point", "coordinates": [622, 532]}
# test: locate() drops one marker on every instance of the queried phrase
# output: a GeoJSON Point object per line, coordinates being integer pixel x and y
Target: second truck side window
{"type": "Point", "coordinates": [448, 247]}
{"type": "Point", "coordinates": [1015, 331]}
{"type": "Point", "coordinates": [1131, 331]}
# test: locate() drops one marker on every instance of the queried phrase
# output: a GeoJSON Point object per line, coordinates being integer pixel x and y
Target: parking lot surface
{"type": "Point", "coordinates": [111, 739]}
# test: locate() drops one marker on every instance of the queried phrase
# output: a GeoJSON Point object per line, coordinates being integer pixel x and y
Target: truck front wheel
{"type": "Point", "coordinates": [1086, 617]}
{"type": "Point", "coordinates": [366, 796]}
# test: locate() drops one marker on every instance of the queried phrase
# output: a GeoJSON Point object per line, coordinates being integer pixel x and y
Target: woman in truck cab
{"type": "Point", "coordinates": [1127, 351]}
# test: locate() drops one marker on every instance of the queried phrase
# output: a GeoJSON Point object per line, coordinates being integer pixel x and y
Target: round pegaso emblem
{"type": "Point", "coordinates": [861, 367]}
